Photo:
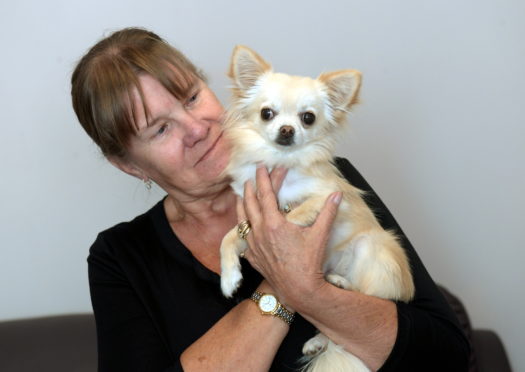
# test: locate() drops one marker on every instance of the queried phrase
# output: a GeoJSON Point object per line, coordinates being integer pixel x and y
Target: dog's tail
{"type": "Point", "coordinates": [334, 359]}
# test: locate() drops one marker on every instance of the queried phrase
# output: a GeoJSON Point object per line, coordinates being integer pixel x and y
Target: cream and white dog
{"type": "Point", "coordinates": [292, 122]}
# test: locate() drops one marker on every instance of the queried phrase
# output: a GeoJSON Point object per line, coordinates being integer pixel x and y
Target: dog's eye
{"type": "Point", "coordinates": [267, 114]}
{"type": "Point", "coordinates": [308, 118]}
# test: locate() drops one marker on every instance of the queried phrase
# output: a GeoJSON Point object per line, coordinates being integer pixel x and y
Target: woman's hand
{"type": "Point", "coordinates": [289, 256]}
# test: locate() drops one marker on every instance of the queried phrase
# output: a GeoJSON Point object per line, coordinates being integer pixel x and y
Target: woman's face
{"type": "Point", "coordinates": [183, 149]}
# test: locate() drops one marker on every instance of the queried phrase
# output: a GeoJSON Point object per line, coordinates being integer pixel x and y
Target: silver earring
{"type": "Point", "coordinates": [147, 183]}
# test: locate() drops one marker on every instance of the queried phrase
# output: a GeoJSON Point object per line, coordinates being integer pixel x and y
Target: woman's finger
{"type": "Point", "coordinates": [251, 204]}
{"type": "Point", "coordinates": [241, 214]}
{"type": "Point", "coordinates": [327, 215]}
{"type": "Point", "coordinates": [277, 176]}
{"type": "Point", "coordinates": [265, 194]}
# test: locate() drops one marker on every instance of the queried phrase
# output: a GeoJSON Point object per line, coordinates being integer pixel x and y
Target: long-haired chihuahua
{"type": "Point", "coordinates": [293, 122]}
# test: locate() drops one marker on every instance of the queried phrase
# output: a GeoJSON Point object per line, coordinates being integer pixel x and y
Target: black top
{"type": "Point", "coordinates": [152, 299]}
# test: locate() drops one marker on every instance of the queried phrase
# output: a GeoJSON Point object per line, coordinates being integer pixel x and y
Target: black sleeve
{"type": "Point", "coordinates": [429, 336]}
{"type": "Point", "coordinates": [127, 339]}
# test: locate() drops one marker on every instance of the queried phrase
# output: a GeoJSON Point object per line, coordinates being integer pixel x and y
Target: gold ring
{"type": "Point", "coordinates": [243, 229]}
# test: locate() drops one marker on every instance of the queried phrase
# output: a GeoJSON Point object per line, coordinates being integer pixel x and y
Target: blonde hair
{"type": "Point", "coordinates": [104, 80]}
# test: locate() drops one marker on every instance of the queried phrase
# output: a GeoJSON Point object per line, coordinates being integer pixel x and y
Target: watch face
{"type": "Point", "coordinates": [267, 303]}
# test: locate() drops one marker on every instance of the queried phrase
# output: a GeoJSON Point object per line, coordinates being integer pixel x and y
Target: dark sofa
{"type": "Point", "coordinates": [63, 343]}
{"type": "Point", "coordinates": [67, 343]}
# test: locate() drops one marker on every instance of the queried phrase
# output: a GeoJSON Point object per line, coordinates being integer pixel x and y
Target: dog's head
{"type": "Point", "coordinates": [288, 113]}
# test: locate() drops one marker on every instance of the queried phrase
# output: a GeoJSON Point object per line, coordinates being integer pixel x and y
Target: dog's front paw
{"type": "Point", "coordinates": [315, 345]}
{"type": "Point", "coordinates": [230, 281]}
{"type": "Point", "coordinates": [338, 281]}
{"type": "Point", "coordinates": [231, 248]}
{"type": "Point", "coordinates": [304, 219]}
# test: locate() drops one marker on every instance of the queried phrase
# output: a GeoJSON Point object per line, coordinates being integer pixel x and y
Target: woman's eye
{"type": "Point", "coordinates": [308, 118]}
{"type": "Point", "coordinates": [192, 99]}
{"type": "Point", "coordinates": [162, 129]}
{"type": "Point", "coordinates": [267, 114]}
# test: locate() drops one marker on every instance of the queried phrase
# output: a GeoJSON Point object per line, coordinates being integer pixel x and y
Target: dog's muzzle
{"type": "Point", "coordinates": [286, 134]}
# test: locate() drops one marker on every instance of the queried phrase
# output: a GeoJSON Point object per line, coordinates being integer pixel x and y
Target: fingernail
{"type": "Point", "coordinates": [263, 167]}
{"type": "Point", "coordinates": [336, 197]}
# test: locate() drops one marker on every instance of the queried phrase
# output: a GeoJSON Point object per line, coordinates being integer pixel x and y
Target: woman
{"type": "Point", "coordinates": [154, 281]}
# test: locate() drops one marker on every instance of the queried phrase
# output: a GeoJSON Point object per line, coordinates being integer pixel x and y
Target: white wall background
{"type": "Point", "coordinates": [439, 134]}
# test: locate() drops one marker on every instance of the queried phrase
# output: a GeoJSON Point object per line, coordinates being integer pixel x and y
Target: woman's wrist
{"type": "Point", "coordinates": [297, 294]}
{"type": "Point", "coordinates": [300, 294]}
{"type": "Point", "coordinates": [265, 287]}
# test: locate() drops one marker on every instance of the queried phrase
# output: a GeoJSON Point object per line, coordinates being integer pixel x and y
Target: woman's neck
{"type": "Point", "coordinates": [202, 223]}
{"type": "Point", "coordinates": [201, 209]}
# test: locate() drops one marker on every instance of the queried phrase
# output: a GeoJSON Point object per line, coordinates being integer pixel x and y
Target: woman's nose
{"type": "Point", "coordinates": [194, 131]}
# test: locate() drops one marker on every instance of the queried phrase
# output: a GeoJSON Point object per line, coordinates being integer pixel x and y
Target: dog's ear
{"type": "Point", "coordinates": [246, 67]}
{"type": "Point", "coordinates": [343, 87]}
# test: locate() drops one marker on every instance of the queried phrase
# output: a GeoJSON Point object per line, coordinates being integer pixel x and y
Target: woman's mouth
{"type": "Point", "coordinates": [210, 149]}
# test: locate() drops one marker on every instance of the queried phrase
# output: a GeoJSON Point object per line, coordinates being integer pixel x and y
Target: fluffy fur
{"type": "Point", "coordinates": [282, 120]}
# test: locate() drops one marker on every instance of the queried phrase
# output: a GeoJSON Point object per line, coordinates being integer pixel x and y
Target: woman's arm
{"type": "Point", "coordinates": [128, 339]}
{"type": "Point", "coordinates": [422, 335]}
{"type": "Point", "coordinates": [243, 340]}
{"type": "Point", "coordinates": [429, 335]}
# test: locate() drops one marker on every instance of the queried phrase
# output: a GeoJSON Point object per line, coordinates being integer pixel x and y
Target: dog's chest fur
{"type": "Point", "coordinates": [297, 185]}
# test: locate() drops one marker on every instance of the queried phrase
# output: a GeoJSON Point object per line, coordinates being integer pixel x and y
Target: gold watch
{"type": "Point", "coordinates": [269, 305]}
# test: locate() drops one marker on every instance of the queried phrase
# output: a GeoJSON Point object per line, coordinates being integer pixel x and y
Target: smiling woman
{"type": "Point", "coordinates": [149, 110]}
{"type": "Point", "coordinates": [154, 281]}
{"type": "Point", "coordinates": [178, 143]}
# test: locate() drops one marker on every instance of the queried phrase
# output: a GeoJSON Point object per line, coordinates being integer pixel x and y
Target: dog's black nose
{"type": "Point", "coordinates": [286, 131]}
{"type": "Point", "coordinates": [285, 137]}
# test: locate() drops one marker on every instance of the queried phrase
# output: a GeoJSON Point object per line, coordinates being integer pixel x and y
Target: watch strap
{"type": "Point", "coordinates": [280, 311]}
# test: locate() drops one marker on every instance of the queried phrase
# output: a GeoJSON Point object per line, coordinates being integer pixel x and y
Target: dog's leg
{"type": "Point", "coordinates": [306, 212]}
{"type": "Point", "coordinates": [339, 265]}
{"type": "Point", "coordinates": [375, 264]}
{"type": "Point", "coordinates": [315, 345]}
{"type": "Point", "coordinates": [231, 247]}
{"type": "Point", "coordinates": [339, 281]}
